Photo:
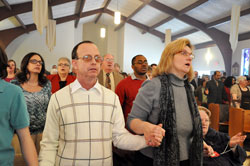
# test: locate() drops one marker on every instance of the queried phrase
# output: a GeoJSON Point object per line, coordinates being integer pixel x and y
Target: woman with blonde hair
{"type": "Point", "coordinates": [166, 104]}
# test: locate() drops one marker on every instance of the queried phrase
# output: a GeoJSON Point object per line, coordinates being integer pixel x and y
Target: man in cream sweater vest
{"type": "Point", "coordinates": [84, 118]}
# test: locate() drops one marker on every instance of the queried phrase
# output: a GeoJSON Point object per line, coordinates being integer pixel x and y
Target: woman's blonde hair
{"type": "Point", "coordinates": [167, 57]}
{"type": "Point", "coordinates": [201, 108]}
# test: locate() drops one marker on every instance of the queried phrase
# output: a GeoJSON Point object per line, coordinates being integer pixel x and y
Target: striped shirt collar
{"type": "Point", "coordinates": [76, 86]}
{"type": "Point", "coordinates": [133, 77]}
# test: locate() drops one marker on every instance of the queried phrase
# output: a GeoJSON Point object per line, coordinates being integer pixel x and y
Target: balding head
{"type": "Point", "coordinates": [108, 63]}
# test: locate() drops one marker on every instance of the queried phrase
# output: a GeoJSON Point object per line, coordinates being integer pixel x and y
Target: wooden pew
{"type": "Point", "coordinates": [239, 121]}
{"type": "Point", "coordinates": [215, 116]}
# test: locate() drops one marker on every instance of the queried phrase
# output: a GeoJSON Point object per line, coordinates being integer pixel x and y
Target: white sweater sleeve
{"type": "Point", "coordinates": [121, 137]}
{"type": "Point", "coordinates": [49, 143]}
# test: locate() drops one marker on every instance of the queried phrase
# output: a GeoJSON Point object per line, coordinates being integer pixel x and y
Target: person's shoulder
{"type": "Point", "coordinates": [10, 87]}
{"type": "Point", "coordinates": [155, 83]}
{"type": "Point", "coordinates": [50, 77]}
{"type": "Point", "coordinates": [125, 80]}
{"type": "Point", "coordinates": [71, 77]}
{"type": "Point", "coordinates": [235, 86]}
{"type": "Point", "coordinates": [118, 75]}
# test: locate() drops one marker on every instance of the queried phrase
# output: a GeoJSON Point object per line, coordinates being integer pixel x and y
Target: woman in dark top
{"type": "Point", "coordinates": [228, 83]}
{"type": "Point", "coordinates": [225, 150]}
{"type": "Point", "coordinates": [241, 93]}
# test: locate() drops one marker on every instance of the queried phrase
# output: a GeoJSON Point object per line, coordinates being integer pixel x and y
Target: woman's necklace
{"type": "Point", "coordinates": [32, 85]}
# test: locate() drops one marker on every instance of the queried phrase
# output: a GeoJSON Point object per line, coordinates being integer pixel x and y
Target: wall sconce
{"type": "Point", "coordinates": [117, 19]}
{"type": "Point", "coordinates": [103, 32]}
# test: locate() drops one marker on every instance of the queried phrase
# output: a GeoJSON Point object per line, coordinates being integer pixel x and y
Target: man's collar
{"type": "Point", "coordinates": [76, 86]}
{"type": "Point", "coordinates": [133, 77]}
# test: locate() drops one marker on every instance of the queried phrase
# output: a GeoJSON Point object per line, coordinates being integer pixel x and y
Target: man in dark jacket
{"type": "Point", "coordinates": [215, 90]}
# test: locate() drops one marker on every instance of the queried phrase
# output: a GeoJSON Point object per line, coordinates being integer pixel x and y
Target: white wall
{"type": "Point", "coordinates": [34, 42]}
{"type": "Point", "coordinates": [208, 59]}
{"type": "Point", "coordinates": [124, 44]}
{"type": "Point", "coordinates": [136, 43]}
{"type": "Point", "coordinates": [217, 63]}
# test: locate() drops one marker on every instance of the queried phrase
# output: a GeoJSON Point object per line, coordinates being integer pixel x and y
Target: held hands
{"type": "Point", "coordinates": [207, 150]}
{"type": "Point", "coordinates": [237, 139]}
{"type": "Point", "coordinates": [153, 134]}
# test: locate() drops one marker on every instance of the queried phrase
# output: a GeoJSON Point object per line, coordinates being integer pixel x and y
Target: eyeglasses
{"type": "Point", "coordinates": [185, 53]}
{"type": "Point", "coordinates": [34, 61]}
{"type": "Point", "coordinates": [88, 58]}
{"type": "Point", "coordinates": [140, 62]}
{"type": "Point", "coordinates": [63, 64]}
{"type": "Point", "coordinates": [109, 60]}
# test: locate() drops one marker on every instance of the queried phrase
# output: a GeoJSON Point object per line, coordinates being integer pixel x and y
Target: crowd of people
{"type": "Point", "coordinates": [99, 115]}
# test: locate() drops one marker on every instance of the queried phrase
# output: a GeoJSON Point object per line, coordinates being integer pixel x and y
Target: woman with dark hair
{"type": "Point", "coordinates": [11, 69]}
{"type": "Point", "coordinates": [13, 116]}
{"type": "Point", "coordinates": [228, 83]}
{"type": "Point", "coordinates": [199, 93]}
{"type": "Point", "coordinates": [37, 92]}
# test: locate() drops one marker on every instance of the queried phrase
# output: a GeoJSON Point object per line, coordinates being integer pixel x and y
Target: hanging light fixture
{"type": "Point", "coordinates": [117, 19]}
{"type": "Point", "coordinates": [103, 32]}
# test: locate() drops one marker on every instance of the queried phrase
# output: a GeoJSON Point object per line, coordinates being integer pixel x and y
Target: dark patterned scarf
{"type": "Point", "coordinates": [167, 154]}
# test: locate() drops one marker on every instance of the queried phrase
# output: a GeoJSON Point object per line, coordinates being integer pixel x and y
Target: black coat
{"type": "Point", "coordinates": [219, 141]}
{"type": "Point", "coordinates": [194, 83]}
{"type": "Point", "coordinates": [216, 93]}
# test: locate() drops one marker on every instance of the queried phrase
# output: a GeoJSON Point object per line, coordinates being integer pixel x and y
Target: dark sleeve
{"type": "Point", "coordinates": [217, 140]}
{"type": "Point", "coordinates": [239, 155]}
{"type": "Point", "coordinates": [224, 93]}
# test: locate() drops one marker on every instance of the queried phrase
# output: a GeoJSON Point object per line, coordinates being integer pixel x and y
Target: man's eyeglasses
{"type": "Point", "coordinates": [88, 58]}
{"type": "Point", "coordinates": [63, 64]}
{"type": "Point", "coordinates": [140, 62]}
{"type": "Point", "coordinates": [109, 60]}
{"type": "Point", "coordinates": [185, 53]}
{"type": "Point", "coordinates": [34, 61]}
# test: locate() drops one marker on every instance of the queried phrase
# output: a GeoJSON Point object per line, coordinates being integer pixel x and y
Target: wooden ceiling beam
{"type": "Point", "coordinates": [183, 11]}
{"type": "Point", "coordinates": [221, 38]}
{"type": "Point", "coordinates": [205, 45]}
{"type": "Point", "coordinates": [132, 14]}
{"type": "Point", "coordinates": [227, 18]}
{"type": "Point", "coordinates": [215, 23]}
{"type": "Point", "coordinates": [8, 35]}
{"type": "Point", "coordinates": [7, 5]}
{"type": "Point", "coordinates": [174, 37]}
{"type": "Point", "coordinates": [159, 23]}
{"type": "Point", "coordinates": [24, 8]}
{"type": "Point", "coordinates": [244, 36]}
{"type": "Point", "coordinates": [138, 25]}
{"type": "Point", "coordinates": [192, 6]}
{"type": "Point", "coordinates": [79, 13]}
{"type": "Point", "coordinates": [50, 14]}
{"type": "Point", "coordinates": [100, 14]}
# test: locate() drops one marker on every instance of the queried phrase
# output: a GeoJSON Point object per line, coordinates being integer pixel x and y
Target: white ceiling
{"type": "Point", "coordinates": [208, 12]}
